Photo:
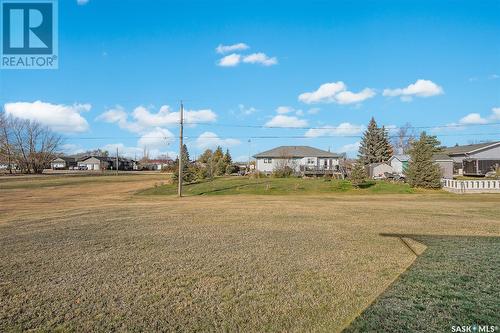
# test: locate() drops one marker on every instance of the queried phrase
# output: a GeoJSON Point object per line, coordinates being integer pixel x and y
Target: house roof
{"type": "Point", "coordinates": [402, 157]}
{"type": "Point", "coordinates": [441, 157]}
{"type": "Point", "coordinates": [65, 159]}
{"type": "Point", "coordinates": [295, 151]}
{"type": "Point", "coordinates": [100, 158]}
{"type": "Point", "coordinates": [458, 150]}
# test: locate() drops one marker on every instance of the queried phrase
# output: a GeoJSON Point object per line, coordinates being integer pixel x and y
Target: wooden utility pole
{"type": "Point", "coordinates": [117, 165]}
{"type": "Point", "coordinates": [179, 192]}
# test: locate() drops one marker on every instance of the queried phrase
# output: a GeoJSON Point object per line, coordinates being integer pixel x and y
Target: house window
{"type": "Point", "coordinates": [311, 161]}
{"type": "Point", "coordinates": [268, 160]}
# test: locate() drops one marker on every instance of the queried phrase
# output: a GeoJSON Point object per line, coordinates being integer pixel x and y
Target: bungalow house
{"type": "Point", "coordinates": [95, 163]}
{"type": "Point", "coordinates": [63, 163]}
{"type": "Point", "coordinates": [378, 170]}
{"type": "Point", "coordinates": [476, 159]}
{"type": "Point", "coordinates": [159, 164]}
{"type": "Point", "coordinates": [399, 163]}
{"type": "Point", "coordinates": [301, 159]}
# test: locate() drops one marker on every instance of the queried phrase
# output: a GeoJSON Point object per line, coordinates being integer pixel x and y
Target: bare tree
{"type": "Point", "coordinates": [286, 165]}
{"type": "Point", "coordinates": [33, 144]}
{"type": "Point", "coordinates": [403, 139]}
{"type": "Point", "coordinates": [5, 147]}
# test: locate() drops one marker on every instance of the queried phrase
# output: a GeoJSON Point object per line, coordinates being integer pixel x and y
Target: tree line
{"type": "Point", "coordinates": [376, 147]}
{"type": "Point", "coordinates": [26, 145]}
{"type": "Point", "coordinates": [210, 164]}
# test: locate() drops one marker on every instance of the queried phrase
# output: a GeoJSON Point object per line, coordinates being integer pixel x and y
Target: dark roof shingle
{"type": "Point", "coordinates": [467, 148]}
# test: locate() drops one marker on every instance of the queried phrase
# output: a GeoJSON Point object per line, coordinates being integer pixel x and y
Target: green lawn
{"type": "Point", "coordinates": [454, 282]}
{"type": "Point", "coordinates": [279, 186]}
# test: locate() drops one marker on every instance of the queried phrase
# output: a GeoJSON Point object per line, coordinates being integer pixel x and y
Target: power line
{"type": "Point", "coordinates": [335, 127]}
{"type": "Point", "coordinates": [267, 136]}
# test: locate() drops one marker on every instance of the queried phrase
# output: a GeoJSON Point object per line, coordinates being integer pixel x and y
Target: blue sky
{"type": "Point", "coordinates": [125, 65]}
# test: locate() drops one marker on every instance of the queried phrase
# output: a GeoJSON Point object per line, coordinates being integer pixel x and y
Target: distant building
{"type": "Point", "coordinates": [301, 159]}
{"type": "Point", "coordinates": [95, 163]}
{"type": "Point", "coordinates": [63, 163]}
{"type": "Point", "coordinates": [378, 170]}
{"type": "Point", "coordinates": [399, 163]}
{"type": "Point", "coordinates": [158, 164]}
{"type": "Point", "coordinates": [476, 159]}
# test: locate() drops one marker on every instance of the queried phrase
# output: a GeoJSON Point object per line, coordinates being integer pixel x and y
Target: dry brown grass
{"type": "Point", "coordinates": [93, 255]}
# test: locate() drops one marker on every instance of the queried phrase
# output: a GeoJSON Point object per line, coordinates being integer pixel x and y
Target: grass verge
{"type": "Point", "coordinates": [279, 186]}
{"type": "Point", "coordinates": [453, 283]}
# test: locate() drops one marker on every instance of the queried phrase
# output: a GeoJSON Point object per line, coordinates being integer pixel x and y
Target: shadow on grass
{"type": "Point", "coordinates": [366, 185]}
{"type": "Point", "coordinates": [453, 282]}
{"type": "Point", "coordinates": [227, 188]}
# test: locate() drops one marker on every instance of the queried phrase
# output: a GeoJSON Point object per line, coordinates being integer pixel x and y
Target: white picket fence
{"type": "Point", "coordinates": [471, 186]}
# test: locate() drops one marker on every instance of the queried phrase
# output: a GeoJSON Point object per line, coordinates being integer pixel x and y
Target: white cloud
{"type": "Point", "coordinates": [231, 60]}
{"type": "Point", "coordinates": [260, 58]}
{"type": "Point", "coordinates": [71, 149]}
{"type": "Point", "coordinates": [211, 140]}
{"type": "Point", "coordinates": [166, 117]}
{"type": "Point", "coordinates": [495, 114]}
{"type": "Point", "coordinates": [246, 110]}
{"type": "Point", "coordinates": [351, 147]}
{"type": "Point", "coordinates": [283, 109]}
{"type": "Point", "coordinates": [231, 48]}
{"type": "Point", "coordinates": [347, 97]}
{"type": "Point", "coordinates": [82, 2]}
{"type": "Point", "coordinates": [473, 118]}
{"type": "Point", "coordinates": [156, 139]}
{"type": "Point", "coordinates": [118, 115]}
{"type": "Point", "coordinates": [335, 92]}
{"type": "Point", "coordinates": [281, 120]}
{"type": "Point", "coordinates": [143, 119]}
{"type": "Point", "coordinates": [340, 130]}
{"type": "Point", "coordinates": [58, 117]}
{"type": "Point", "coordinates": [137, 152]}
{"type": "Point", "coordinates": [421, 88]}
{"type": "Point", "coordinates": [470, 119]}
{"type": "Point", "coordinates": [313, 111]}
{"type": "Point", "coordinates": [123, 151]}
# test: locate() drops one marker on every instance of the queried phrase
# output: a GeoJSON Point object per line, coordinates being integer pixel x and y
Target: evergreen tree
{"type": "Point", "coordinates": [187, 171]}
{"type": "Point", "coordinates": [206, 156]}
{"type": "Point", "coordinates": [358, 174]}
{"type": "Point", "coordinates": [385, 152]}
{"type": "Point", "coordinates": [422, 171]}
{"type": "Point", "coordinates": [375, 146]}
{"type": "Point", "coordinates": [228, 160]}
{"type": "Point", "coordinates": [217, 155]}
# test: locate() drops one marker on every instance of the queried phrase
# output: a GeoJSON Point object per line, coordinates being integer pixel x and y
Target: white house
{"type": "Point", "coordinates": [302, 159]}
{"type": "Point", "coordinates": [399, 163]}
{"type": "Point", "coordinates": [63, 162]}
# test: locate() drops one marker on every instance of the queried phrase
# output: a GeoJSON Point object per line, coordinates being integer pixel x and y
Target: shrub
{"type": "Point", "coordinates": [358, 174]}
{"type": "Point", "coordinates": [284, 172]}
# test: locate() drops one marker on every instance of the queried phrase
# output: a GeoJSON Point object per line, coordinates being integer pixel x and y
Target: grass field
{"type": "Point", "coordinates": [280, 186]}
{"type": "Point", "coordinates": [453, 283]}
{"type": "Point", "coordinates": [95, 256]}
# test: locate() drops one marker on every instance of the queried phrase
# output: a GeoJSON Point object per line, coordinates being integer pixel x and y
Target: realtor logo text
{"type": "Point", "coordinates": [29, 34]}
